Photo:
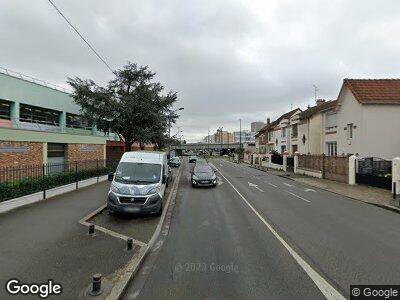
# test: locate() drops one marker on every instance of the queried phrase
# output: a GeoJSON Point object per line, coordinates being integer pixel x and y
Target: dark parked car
{"type": "Point", "coordinates": [203, 175]}
{"type": "Point", "coordinates": [193, 159]}
{"type": "Point", "coordinates": [174, 162]}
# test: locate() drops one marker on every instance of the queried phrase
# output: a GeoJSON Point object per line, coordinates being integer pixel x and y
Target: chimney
{"type": "Point", "coordinates": [268, 121]}
{"type": "Point", "coordinates": [319, 102]}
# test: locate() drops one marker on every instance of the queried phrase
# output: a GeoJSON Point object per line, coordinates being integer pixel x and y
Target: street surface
{"type": "Point", "coordinates": [262, 236]}
{"type": "Point", "coordinates": [45, 241]}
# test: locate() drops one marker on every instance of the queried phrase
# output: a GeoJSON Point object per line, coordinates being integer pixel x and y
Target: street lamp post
{"type": "Point", "coordinates": [240, 138]}
{"type": "Point", "coordinates": [169, 129]}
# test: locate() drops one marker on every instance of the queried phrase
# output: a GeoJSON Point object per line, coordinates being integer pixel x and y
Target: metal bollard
{"type": "Point", "coordinates": [129, 243]}
{"type": "Point", "coordinates": [91, 229]}
{"type": "Point", "coordinates": [96, 285]}
{"type": "Point", "coordinates": [394, 190]}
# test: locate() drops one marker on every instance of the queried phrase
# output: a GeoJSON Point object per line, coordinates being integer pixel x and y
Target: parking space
{"type": "Point", "coordinates": [138, 227]}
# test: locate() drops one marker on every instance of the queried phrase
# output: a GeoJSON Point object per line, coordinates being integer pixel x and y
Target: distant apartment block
{"type": "Point", "coordinates": [256, 126]}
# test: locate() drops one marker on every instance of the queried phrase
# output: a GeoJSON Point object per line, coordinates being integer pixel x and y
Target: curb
{"type": "Point", "coordinates": [134, 264]}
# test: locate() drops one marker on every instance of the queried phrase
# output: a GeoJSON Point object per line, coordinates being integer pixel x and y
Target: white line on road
{"type": "Point", "coordinates": [298, 196]}
{"type": "Point", "coordinates": [310, 190]}
{"type": "Point", "coordinates": [287, 184]}
{"type": "Point", "coordinates": [329, 291]}
{"type": "Point", "coordinates": [271, 184]}
{"type": "Point", "coordinates": [255, 186]}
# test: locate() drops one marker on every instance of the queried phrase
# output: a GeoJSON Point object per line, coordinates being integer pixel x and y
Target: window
{"type": "Point", "coordinates": [331, 148]}
{"type": "Point", "coordinates": [270, 135]}
{"type": "Point", "coordinates": [283, 149]}
{"type": "Point", "coordinates": [76, 121]}
{"type": "Point", "coordinates": [330, 120]}
{"type": "Point", "coordinates": [350, 131]}
{"type": "Point", "coordinates": [34, 114]}
{"type": "Point", "coordinates": [55, 150]}
{"type": "Point", "coordinates": [294, 148]}
{"type": "Point", "coordinates": [284, 132]}
{"type": "Point", "coordinates": [294, 130]}
{"type": "Point", "coordinates": [5, 110]}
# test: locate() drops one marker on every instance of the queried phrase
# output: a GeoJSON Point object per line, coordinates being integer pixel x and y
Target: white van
{"type": "Point", "coordinates": [139, 183]}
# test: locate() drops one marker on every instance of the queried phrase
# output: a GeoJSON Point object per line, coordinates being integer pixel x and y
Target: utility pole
{"type": "Point", "coordinates": [169, 129]}
{"type": "Point", "coordinates": [208, 140]}
{"type": "Point", "coordinates": [240, 138]}
{"type": "Point", "coordinates": [220, 130]}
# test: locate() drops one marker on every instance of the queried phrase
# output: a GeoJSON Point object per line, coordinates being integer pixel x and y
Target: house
{"type": "Point", "coordinates": [278, 135]}
{"type": "Point", "coordinates": [368, 118]}
{"type": "Point", "coordinates": [317, 129]}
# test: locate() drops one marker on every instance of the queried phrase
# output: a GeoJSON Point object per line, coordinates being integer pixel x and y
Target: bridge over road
{"type": "Point", "coordinates": [206, 146]}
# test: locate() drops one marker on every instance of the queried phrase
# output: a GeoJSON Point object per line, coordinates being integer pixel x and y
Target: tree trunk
{"type": "Point", "coordinates": [141, 146]}
{"type": "Point", "coordinates": [128, 146]}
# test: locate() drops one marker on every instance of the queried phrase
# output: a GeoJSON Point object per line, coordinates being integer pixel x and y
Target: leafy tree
{"type": "Point", "coordinates": [131, 105]}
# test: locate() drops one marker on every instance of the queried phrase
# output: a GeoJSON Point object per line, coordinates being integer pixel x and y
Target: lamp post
{"type": "Point", "coordinates": [169, 129]}
{"type": "Point", "coordinates": [240, 138]}
{"type": "Point", "coordinates": [220, 136]}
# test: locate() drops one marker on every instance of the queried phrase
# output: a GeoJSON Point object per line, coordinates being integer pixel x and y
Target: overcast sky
{"type": "Point", "coordinates": [226, 59]}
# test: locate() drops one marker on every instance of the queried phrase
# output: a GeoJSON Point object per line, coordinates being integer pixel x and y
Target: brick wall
{"type": "Point", "coordinates": [20, 153]}
{"type": "Point", "coordinates": [79, 152]}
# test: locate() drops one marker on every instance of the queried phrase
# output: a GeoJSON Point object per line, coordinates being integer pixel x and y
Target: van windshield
{"type": "Point", "coordinates": [128, 172]}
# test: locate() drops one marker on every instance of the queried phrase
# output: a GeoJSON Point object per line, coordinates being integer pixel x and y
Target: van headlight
{"type": "Point", "coordinates": [154, 190]}
{"type": "Point", "coordinates": [195, 177]}
{"type": "Point", "coordinates": [214, 177]}
{"type": "Point", "coordinates": [115, 189]}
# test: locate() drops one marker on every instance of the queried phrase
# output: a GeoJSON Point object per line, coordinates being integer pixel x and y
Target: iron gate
{"type": "Point", "coordinates": [375, 172]}
{"type": "Point", "coordinates": [290, 163]}
{"type": "Point", "coordinates": [276, 158]}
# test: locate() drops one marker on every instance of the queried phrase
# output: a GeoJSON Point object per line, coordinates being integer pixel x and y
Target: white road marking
{"type": "Point", "coordinates": [309, 190]}
{"type": "Point", "coordinates": [272, 184]}
{"type": "Point", "coordinates": [287, 184]}
{"type": "Point", "coordinates": [326, 289]}
{"type": "Point", "coordinates": [298, 196]}
{"type": "Point", "coordinates": [254, 186]}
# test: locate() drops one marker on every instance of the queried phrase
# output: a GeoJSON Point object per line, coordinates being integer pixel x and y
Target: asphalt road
{"type": "Point", "coordinates": [219, 245]}
{"type": "Point", "coordinates": [45, 241]}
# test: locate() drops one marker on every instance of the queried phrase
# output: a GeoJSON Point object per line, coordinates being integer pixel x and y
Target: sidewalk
{"type": "Point", "coordinates": [368, 194]}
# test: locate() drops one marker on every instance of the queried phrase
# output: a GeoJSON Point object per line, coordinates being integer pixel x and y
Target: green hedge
{"type": "Point", "coordinates": [10, 190]}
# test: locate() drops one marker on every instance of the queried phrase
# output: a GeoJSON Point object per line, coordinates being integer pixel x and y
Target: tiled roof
{"type": "Point", "coordinates": [318, 108]}
{"type": "Point", "coordinates": [374, 91]}
{"type": "Point", "coordinates": [272, 124]}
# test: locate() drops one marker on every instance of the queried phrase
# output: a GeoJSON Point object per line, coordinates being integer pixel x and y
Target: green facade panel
{"type": "Point", "coordinates": [22, 91]}
{"type": "Point", "coordinates": [18, 135]}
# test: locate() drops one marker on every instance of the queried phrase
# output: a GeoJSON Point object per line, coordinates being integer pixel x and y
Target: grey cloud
{"type": "Point", "coordinates": [227, 59]}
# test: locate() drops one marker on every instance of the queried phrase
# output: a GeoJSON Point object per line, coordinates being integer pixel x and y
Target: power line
{"type": "Point", "coordinates": [81, 36]}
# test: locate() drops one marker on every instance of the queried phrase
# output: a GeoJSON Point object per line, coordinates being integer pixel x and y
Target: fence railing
{"type": "Point", "coordinates": [17, 181]}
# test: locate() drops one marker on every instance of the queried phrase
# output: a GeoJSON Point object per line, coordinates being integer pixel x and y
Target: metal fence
{"type": "Point", "coordinates": [375, 172]}
{"type": "Point", "coordinates": [17, 181]}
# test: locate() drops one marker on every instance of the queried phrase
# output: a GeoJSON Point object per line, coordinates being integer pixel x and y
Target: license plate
{"type": "Point", "coordinates": [132, 209]}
